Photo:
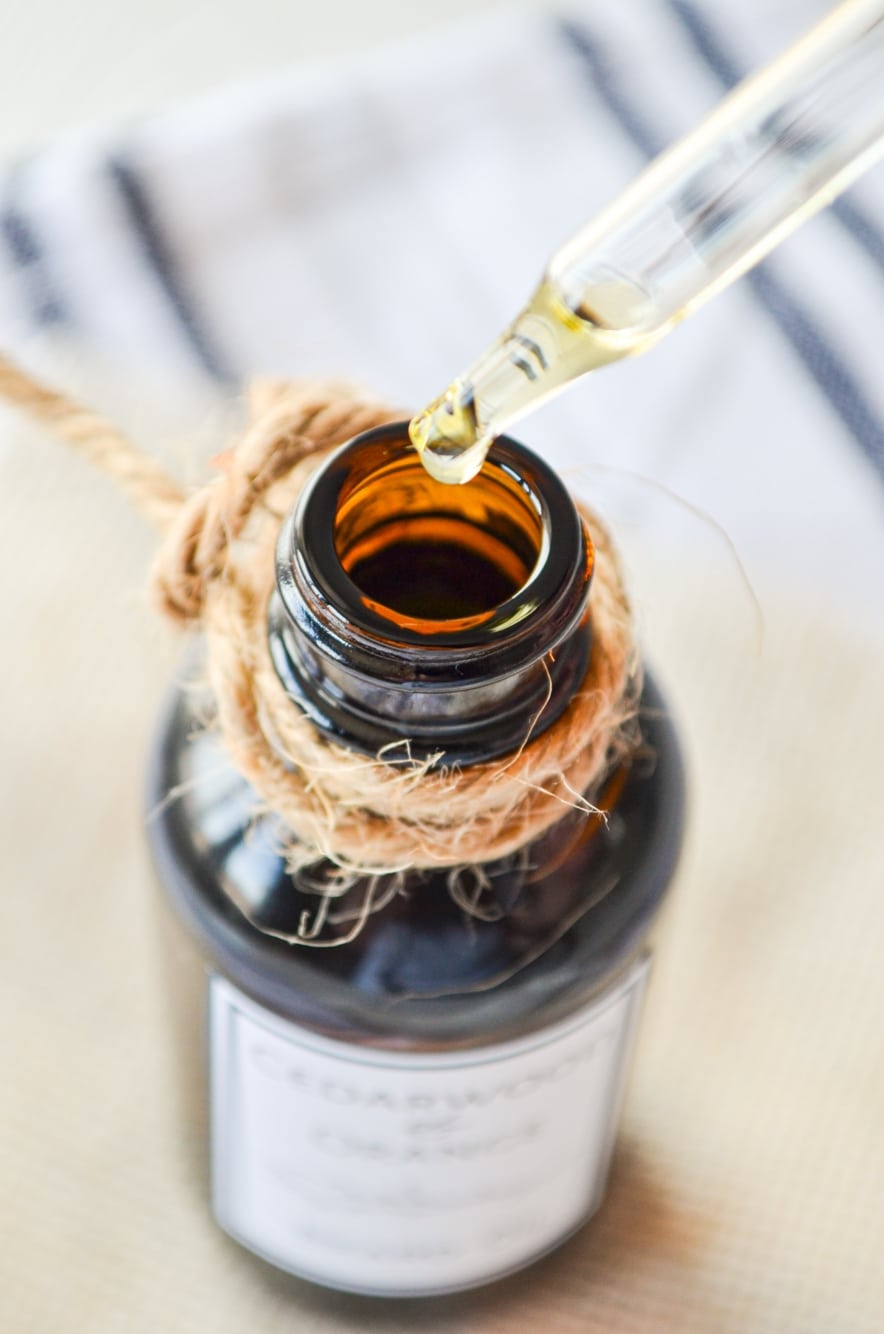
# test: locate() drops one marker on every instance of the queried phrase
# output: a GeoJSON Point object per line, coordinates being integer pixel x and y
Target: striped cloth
{"type": "Point", "coordinates": [352, 223]}
{"type": "Point", "coordinates": [382, 219]}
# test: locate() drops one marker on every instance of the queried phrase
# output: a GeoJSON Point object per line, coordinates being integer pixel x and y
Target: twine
{"type": "Point", "coordinates": [215, 569]}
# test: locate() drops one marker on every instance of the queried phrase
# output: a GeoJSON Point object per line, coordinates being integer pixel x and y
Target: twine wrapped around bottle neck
{"type": "Point", "coordinates": [215, 569]}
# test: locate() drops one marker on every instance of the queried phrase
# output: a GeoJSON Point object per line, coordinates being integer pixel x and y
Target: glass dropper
{"type": "Point", "coordinates": [778, 148]}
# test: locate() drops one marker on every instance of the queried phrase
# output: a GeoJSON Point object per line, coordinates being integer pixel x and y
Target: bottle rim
{"type": "Point", "coordinates": [309, 564]}
{"type": "Point", "coordinates": [466, 691]}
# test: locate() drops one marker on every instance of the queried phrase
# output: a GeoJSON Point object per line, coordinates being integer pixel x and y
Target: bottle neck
{"type": "Point", "coordinates": [447, 620]}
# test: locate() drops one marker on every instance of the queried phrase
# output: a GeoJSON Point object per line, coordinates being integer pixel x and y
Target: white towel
{"type": "Point", "coordinates": [386, 219]}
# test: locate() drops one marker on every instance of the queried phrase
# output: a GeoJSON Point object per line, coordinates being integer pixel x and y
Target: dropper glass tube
{"type": "Point", "coordinates": [785, 143]}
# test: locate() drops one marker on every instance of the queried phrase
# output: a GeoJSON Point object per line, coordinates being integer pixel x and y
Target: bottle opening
{"type": "Point", "coordinates": [421, 552]}
{"type": "Point", "coordinates": [426, 577]}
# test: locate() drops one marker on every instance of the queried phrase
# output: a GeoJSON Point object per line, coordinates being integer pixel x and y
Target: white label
{"type": "Point", "coordinates": [411, 1173]}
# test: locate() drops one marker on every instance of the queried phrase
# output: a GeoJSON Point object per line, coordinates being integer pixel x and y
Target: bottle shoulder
{"type": "Point", "coordinates": [446, 956]}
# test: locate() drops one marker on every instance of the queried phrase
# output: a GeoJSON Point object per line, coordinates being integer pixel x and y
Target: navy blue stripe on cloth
{"type": "Point", "coordinates": [793, 318]}
{"type": "Point", "coordinates": [610, 89]}
{"type": "Point", "coordinates": [158, 254]}
{"type": "Point", "coordinates": [710, 45]}
{"type": "Point", "coordinates": [19, 235]}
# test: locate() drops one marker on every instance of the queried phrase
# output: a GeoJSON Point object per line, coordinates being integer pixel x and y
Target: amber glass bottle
{"type": "Point", "coordinates": [432, 1103]}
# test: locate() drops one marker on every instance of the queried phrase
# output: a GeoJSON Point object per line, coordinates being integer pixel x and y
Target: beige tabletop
{"type": "Point", "coordinates": [747, 1188]}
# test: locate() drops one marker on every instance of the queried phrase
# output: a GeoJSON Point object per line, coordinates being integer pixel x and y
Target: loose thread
{"type": "Point", "coordinates": [707, 519]}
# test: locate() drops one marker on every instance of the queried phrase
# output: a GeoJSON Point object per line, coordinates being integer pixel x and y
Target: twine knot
{"type": "Point", "coordinates": [215, 568]}
{"type": "Point", "coordinates": [363, 815]}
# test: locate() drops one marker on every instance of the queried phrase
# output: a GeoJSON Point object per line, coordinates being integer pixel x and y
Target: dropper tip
{"type": "Point", "coordinates": [446, 436]}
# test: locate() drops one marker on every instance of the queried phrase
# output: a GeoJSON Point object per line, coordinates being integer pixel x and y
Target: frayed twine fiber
{"type": "Point", "coordinates": [215, 569]}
